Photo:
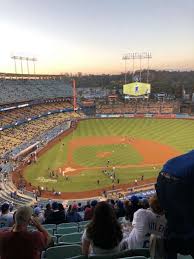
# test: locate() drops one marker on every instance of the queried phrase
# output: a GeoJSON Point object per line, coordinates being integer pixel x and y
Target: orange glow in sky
{"type": "Point", "coordinates": [92, 36]}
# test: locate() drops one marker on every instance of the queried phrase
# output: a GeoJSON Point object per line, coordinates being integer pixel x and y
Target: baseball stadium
{"type": "Point", "coordinates": [96, 129]}
{"type": "Point", "coordinates": [69, 151]}
{"type": "Point", "coordinates": [59, 141]}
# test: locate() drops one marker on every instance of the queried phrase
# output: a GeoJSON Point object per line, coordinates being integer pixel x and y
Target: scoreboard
{"type": "Point", "coordinates": [137, 89]}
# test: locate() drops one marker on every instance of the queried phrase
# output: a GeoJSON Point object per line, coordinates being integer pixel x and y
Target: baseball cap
{"type": "Point", "coordinates": [134, 199]}
{"type": "Point", "coordinates": [181, 166]}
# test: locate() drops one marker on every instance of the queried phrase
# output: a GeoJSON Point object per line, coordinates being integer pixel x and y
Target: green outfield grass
{"type": "Point", "coordinates": [176, 133]}
{"type": "Point", "coordinates": [87, 156]}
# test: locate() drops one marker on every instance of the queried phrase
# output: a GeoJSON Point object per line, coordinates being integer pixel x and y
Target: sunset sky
{"type": "Point", "coordinates": [91, 36]}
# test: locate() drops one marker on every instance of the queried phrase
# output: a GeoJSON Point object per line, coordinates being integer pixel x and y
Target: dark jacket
{"type": "Point", "coordinates": [56, 217]}
{"type": "Point", "coordinates": [73, 216]}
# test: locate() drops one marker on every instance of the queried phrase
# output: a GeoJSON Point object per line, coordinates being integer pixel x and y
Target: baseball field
{"type": "Point", "coordinates": [100, 150]}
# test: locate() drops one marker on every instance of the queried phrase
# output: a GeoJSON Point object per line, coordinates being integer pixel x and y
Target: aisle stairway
{"type": "Point", "coordinates": [6, 187]}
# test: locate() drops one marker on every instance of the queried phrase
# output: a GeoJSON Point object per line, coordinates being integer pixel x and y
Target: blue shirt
{"type": "Point", "coordinates": [181, 167]}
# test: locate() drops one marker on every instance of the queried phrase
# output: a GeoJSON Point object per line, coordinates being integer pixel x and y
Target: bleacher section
{"type": "Point", "coordinates": [14, 115]}
{"type": "Point", "coordinates": [139, 107]}
{"type": "Point", "coordinates": [12, 138]}
{"type": "Point", "coordinates": [18, 90]}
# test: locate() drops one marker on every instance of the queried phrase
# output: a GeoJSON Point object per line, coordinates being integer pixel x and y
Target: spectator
{"type": "Point", "coordinates": [146, 222]}
{"type": "Point", "coordinates": [61, 208]}
{"type": "Point", "coordinates": [175, 190]}
{"type": "Point", "coordinates": [56, 217]}
{"type": "Point", "coordinates": [119, 209]}
{"type": "Point", "coordinates": [87, 204]}
{"type": "Point", "coordinates": [103, 233]}
{"type": "Point", "coordinates": [6, 218]}
{"type": "Point", "coordinates": [19, 243]}
{"type": "Point", "coordinates": [73, 215]}
{"type": "Point", "coordinates": [133, 207]}
{"type": "Point", "coordinates": [144, 203]}
{"type": "Point", "coordinates": [38, 214]}
{"type": "Point", "coordinates": [126, 219]}
{"type": "Point", "coordinates": [79, 207]}
{"type": "Point", "coordinates": [112, 203]}
{"type": "Point", "coordinates": [48, 211]}
{"type": "Point", "coordinates": [88, 213]}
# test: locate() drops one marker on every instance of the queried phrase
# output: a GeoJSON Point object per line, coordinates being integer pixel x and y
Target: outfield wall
{"type": "Point", "coordinates": [147, 115]}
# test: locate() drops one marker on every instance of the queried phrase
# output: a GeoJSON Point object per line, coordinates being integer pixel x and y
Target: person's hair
{"type": "Point", "coordinates": [23, 215]}
{"type": "Point", "coordinates": [155, 205]}
{"type": "Point", "coordinates": [48, 206]}
{"type": "Point", "coordinates": [104, 230]}
{"type": "Point", "coordinates": [61, 208]}
{"type": "Point", "coordinates": [127, 205]}
{"type": "Point", "coordinates": [69, 208]}
{"type": "Point", "coordinates": [55, 205]}
{"type": "Point", "coordinates": [145, 203]}
{"type": "Point", "coordinates": [5, 208]}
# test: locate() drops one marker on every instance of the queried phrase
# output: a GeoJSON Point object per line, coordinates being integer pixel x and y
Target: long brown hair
{"type": "Point", "coordinates": [104, 230]}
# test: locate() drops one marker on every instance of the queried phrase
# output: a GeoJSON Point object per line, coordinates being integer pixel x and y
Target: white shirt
{"type": "Point", "coordinates": [145, 222]}
{"type": "Point", "coordinates": [97, 250]}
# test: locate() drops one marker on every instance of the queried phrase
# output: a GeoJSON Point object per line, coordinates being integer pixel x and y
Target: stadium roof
{"type": "Point", "coordinates": [30, 76]}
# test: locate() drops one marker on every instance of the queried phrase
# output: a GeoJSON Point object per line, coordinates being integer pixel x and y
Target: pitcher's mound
{"type": "Point", "coordinates": [103, 154]}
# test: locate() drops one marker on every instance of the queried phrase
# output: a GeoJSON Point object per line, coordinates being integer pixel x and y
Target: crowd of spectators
{"type": "Point", "coordinates": [139, 106]}
{"type": "Point", "coordinates": [14, 115]}
{"type": "Point", "coordinates": [113, 225]}
{"type": "Point", "coordinates": [13, 137]}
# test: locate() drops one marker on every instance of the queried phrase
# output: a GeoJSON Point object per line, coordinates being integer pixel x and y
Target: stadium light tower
{"type": "Point", "coordinates": [34, 60]}
{"type": "Point", "coordinates": [27, 59]}
{"type": "Point", "coordinates": [137, 56]}
{"type": "Point", "coordinates": [74, 95]}
{"type": "Point", "coordinates": [14, 58]}
{"type": "Point", "coordinates": [125, 58]}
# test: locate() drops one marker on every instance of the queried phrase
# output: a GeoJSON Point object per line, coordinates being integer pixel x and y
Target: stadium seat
{"type": "Point", "coordinates": [184, 257]}
{"type": "Point", "coordinates": [142, 253]}
{"type": "Point", "coordinates": [84, 223]}
{"type": "Point", "coordinates": [67, 225]}
{"type": "Point", "coordinates": [51, 231]}
{"type": "Point", "coordinates": [62, 252]}
{"type": "Point", "coordinates": [74, 238]}
{"type": "Point", "coordinates": [49, 226]}
{"type": "Point", "coordinates": [134, 257]}
{"type": "Point", "coordinates": [112, 256]}
{"type": "Point", "coordinates": [63, 231]}
{"type": "Point", "coordinates": [79, 257]}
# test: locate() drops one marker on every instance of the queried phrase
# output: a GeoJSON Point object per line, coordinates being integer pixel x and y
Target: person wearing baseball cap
{"type": "Point", "coordinates": [175, 190]}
